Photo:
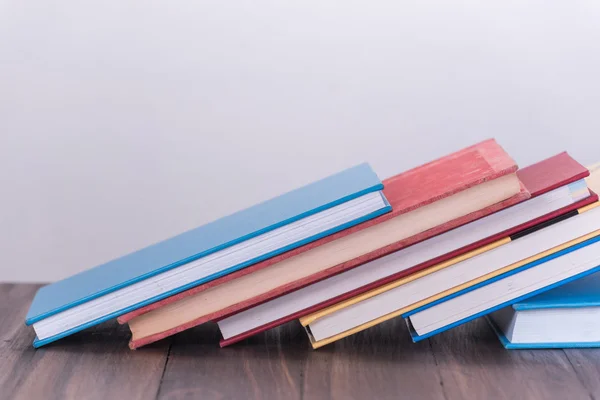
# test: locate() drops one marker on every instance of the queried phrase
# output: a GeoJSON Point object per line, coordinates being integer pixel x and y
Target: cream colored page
{"type": "Point", "coordinates": [593, 180]}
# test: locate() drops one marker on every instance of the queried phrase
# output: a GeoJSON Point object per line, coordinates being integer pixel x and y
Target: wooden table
{"type": "Point", "coordinates": [380, 363]}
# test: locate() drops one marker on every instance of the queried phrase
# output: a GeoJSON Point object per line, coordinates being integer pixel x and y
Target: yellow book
{"type": "Point", "coordinates": [374, 292]}
{"type": "Point", "coordinates": [305, 321]}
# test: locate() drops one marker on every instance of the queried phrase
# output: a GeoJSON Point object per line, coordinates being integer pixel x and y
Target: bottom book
{"type": "Point", "coordinates": [565, 317]}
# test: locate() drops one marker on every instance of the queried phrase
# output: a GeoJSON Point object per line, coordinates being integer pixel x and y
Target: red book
{"type": "Point", "coordinates": [539, 179]}
{"type": "Point", "coordinates": [483, 170]}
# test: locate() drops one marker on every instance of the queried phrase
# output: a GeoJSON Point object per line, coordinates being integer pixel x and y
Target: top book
{"type": "Point", "coordinates": [207, 252]}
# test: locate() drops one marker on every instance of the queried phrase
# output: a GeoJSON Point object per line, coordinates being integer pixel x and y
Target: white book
{"type": "Point", "coordinates": [552, 325]}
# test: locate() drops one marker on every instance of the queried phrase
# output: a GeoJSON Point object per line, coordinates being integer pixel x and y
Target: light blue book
{"type": "Point", "coordinates": [206, 253]}
{"type": "Point", "coordinates": [565, 317]}
{"type": "Point", "coordinates": [516, 286]}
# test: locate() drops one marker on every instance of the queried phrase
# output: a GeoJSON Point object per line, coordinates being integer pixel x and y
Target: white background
{"type": "Point", "coordinates": [126, 122]}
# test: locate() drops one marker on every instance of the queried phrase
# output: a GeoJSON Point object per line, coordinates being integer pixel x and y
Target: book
{"type": "Point", "coordinates": [427, 289]}
{"type": "Point", "coordinates": [556, 186]}
{"type": "Point", "coordinates": [206, 253]}
{"type": "Point", "coordinates": [565, 317]}
{"type": "Point", "coordinates": [426, 201]}
{"type": "Point", "coordinates": [577, 259]}
{"type": "Point", "coordinates": [512, 287]}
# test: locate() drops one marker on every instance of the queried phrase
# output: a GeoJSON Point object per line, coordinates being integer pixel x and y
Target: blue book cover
{"type": "Point", "coordinates": [529, 346]}
{"type": "Point", "coordinates": [584, 292]}
{"type": "Point", "coordinates": [207, 239]}
{"type": "Point", "coordinates": [417, 338]}
{"type": "Point", "coordinates": [580, 293]}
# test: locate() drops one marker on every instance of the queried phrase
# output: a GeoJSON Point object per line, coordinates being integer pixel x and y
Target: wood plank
{"type": "Point", "coordinates": [94, 364]}
{"type": "Point", "coordinates": [280, 363]}
{"type": "Point", "coordinates": [14, 303]}
{"type": "Point", "coordinates": [473, 364]}
{"type": "Point", "coordinates": [586, 363]}
{"type": "Point", "coordinates": [380, 362]}
{"type": "Point", "coordinates": [262, 367]}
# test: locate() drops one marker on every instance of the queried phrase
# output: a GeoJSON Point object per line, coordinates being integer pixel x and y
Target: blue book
{"type": "Point", "coordinates": [516, 286]}
{"type": "Point", "coordinates": [206, 253]}
{"type": "Point", "coordinates": [565, 317]}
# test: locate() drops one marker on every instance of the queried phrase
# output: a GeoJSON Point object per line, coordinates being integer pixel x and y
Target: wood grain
{"type": "Point", "coordinates": [586, 363]}
{"type": "Point", "coordinates": [379, 363]}
{"type": "Point", "coordinates": [94, 364]}
{"type": "Point", "coordinates": [473, 364]}
{"type": "Point", "coordinates": [266, 367]}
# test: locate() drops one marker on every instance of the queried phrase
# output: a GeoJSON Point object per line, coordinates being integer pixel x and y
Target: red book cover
{"type": "Point", "coordinates": [405, 192]}
{"type": "Point", "coordinates": [539, 178]}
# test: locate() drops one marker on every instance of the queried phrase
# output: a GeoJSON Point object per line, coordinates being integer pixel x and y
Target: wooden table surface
{"type": "Point", "coordinates": [379, 363]}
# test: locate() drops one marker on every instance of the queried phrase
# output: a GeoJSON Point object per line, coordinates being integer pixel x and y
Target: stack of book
{"type": "Point", "coordinates": [454, 239]}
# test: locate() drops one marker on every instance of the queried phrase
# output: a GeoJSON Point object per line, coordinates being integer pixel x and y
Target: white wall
{"type": "Point", "coordinates": [126, 122]}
